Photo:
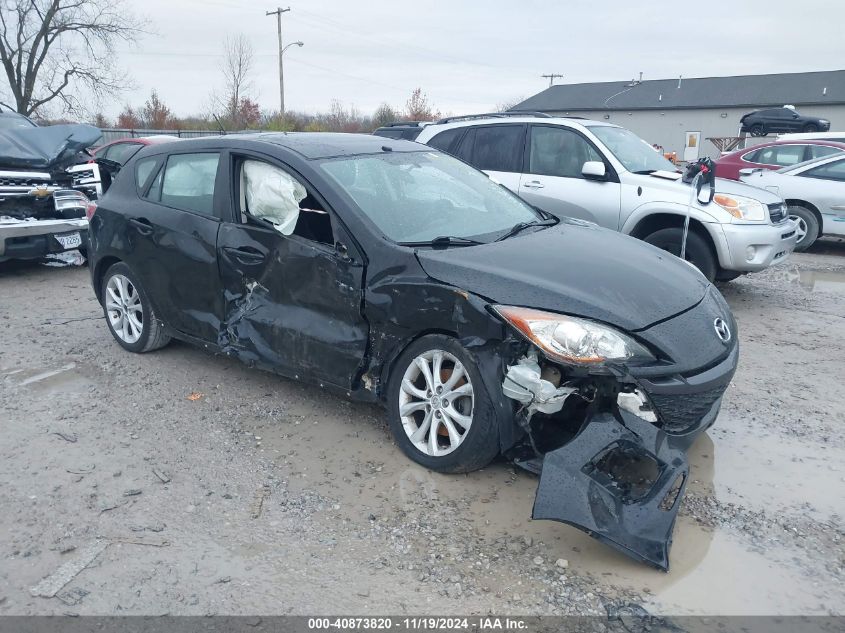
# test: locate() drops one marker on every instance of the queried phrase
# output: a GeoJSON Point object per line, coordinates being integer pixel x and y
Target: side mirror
{"type": "Point", "coordinates": [594, 170]}
{"type": "Point", "coordinates": [747, 171]}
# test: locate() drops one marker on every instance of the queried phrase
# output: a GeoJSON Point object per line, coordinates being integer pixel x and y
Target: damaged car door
{"type": "Point", "coordinates": [291, 277]}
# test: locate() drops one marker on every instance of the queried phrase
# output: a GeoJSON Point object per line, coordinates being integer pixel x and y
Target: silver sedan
{"type": "Point", "coordinates": [814, 192]}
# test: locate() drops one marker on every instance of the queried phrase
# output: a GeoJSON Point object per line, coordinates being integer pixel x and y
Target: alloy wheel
{"type": "Point", "coordinates": [436, 402]}
{"type": "Point", "coordinates": [802, 228]}
{"type": "Point", "coordinates": [124, 310]}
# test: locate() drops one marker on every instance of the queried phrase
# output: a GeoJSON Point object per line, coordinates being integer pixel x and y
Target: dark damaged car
{"type": "Point", "coordinates": [395, 273]}
{"type": "Point", "coordinates": [46, 181]}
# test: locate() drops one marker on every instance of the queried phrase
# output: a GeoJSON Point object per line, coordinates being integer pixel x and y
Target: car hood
{"type": "Point", "coordinates": [47, 147]}
{"type": "Point", "coordinates": [674, 190]}
{"type": "Point", "coordinates": [574, 268]}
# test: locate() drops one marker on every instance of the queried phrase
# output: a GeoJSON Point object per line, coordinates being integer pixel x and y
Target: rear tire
{"type": "Point", "coordinates": [438, 408]}
{"type": "Point", "coordinates": [727, 275]}
{"type": "Point", "coordinates": [698, 251]}
{"type": "Point", "coordinates": [758, 130]}
{"type": "Point", "coordinates": [129, 312]}
{"type": "Point", "coordinates": [808, 226]}
{"type": "Point", "coordinates": [811, 127]}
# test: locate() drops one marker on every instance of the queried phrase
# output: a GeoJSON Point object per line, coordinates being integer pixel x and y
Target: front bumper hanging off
{"type": "Point", "coordinates": [621, 480]}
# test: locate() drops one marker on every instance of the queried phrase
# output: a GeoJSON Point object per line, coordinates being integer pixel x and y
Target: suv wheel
{"type": "Point", "coordinates": [811, 127]}
{"type": "Point", "coordinates": [129, 313]}
{"type": "Point", "coordinates": [758, 130]}
{"type": "Point", "coordinates": [698, 250]}
{"type": "Point", "coordinates": [439, 411]}
{"type": "Point", "coordinates": [808, 226]}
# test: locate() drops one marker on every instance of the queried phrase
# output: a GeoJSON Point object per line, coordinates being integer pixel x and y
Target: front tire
{"type": "Point", "coordinates": [439, 411]}
{"type": "Point", "coordinates": [698, 250]}
{"type": "Point", "coordinates": [758, 130]}
{"type": "Point", "coordinates": [811, 127]}
{"type": "Point", "coordinates": [808, 226]}
{"type": "Point", "coordinates": [129, 312]}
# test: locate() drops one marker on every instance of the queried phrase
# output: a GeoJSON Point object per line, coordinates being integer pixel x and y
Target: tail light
{"type": "Point", "coordinates": [90, 209]}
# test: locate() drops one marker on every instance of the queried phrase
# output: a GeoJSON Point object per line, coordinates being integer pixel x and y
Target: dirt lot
{"type": "Point", "coordinates": [264, 496]}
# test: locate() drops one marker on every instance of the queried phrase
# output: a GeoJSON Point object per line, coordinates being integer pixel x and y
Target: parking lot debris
{"type": "Point", "coordinates": [163, 476]}
{"type": "Point", "coordinates": [67, 437]}
{"type": "Point", "coordinates": [72, 596]}
{"type": "Point", "coordinates": [140, 540]}
{"type": "Point", "coordinates": [258, 500]}
{"type": "Point", "coordinates": [112, 505]}
{"type": "Point", "coordinates": [132, 492]}
{"type": "Point", "coordinates": [82, 470]}
{"type": "Point", "coordinates": [195, 395]}
{"type": "Point", "coordinates": [52, 584]}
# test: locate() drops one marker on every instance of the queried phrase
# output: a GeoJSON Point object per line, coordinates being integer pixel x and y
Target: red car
{"type": "Point", "coordinates": [774, 155]}
{"type": "Point", "coordinates": [123, 149]}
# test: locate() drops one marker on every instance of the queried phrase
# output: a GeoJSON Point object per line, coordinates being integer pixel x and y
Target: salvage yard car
{"type": "Point", "coordinates": [606, 174]}
{"type": "Point", "coordinates": [814, 192]}
{"type": "Point", "coordinates": [45, 187]}
{"type": "Point", "coordinates": [395, 273]}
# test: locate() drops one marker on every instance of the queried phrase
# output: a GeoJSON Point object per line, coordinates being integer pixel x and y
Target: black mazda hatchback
{"type": "Point", "coordinates": [392, 272]}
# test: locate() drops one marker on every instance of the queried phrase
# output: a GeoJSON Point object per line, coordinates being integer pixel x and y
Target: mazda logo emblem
{"type": "Point", "coordinates": [722, 330]}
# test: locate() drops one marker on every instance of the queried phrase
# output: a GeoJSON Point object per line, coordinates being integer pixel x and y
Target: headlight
{"type": "Point", "coordinates": [572, 340]}
{"type": "Point", "coordinates": [741, 207]}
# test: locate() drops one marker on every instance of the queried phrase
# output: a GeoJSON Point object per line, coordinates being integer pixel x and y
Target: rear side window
{"type": "Point", "coordinates": [819, 151]}
{"type": "Point", "coordinates": [122, 152]}
{"type": "Point", "coordinates": [831, 171]}
{"type": "Point", "coordinates": [446, 139]}
{"type": "Point", "coordinates": [188, 182]}
{"type": "Point", "coordinates": [494, 147]}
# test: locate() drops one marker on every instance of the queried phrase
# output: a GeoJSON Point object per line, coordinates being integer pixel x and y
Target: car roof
{"type": "Point", "coordinates": [310, 145]}
{"type": "Point", "coordinates": [552, 120]}
{"type": "Point", "coordinates": [791, 141]}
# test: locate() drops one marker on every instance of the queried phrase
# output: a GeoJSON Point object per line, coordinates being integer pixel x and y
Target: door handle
{"type": "Point", "coordinates": [533, 184]}
{"type": "Point", "coordinates": [142, 225]}
{"type": "Point", "coordinates": [245, 255]}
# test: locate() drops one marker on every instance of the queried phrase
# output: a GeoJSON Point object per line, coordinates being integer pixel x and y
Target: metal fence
{"type": "Point", "coordinates": [115, 134]}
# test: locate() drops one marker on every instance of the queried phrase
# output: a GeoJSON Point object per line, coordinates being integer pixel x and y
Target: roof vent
{"type": "Point", "coordinates": [680, 79]}
{"type": "Point", "coordinates": [824, 91]}
{"type": "Point", "coordinates": [660, 98]}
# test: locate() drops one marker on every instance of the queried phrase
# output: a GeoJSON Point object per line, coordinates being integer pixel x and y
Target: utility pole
{"type": "Point", "coordinates": [278, 13]}
{"type": "Point", "coordinates": [551, 77]}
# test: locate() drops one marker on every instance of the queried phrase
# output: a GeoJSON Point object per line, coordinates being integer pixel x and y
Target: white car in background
{"type": "Point", "coordinates": [814, 192]}
{"type": "Point", "coordinates": [606, 174]}
{"type": "Point", "coordinates": [839, 137]}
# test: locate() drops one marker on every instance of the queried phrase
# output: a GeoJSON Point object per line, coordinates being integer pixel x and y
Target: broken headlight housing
{"type": "Point", "coordinates": [741, 208]}
{"type": "Point", "coordinates": [572, 340]}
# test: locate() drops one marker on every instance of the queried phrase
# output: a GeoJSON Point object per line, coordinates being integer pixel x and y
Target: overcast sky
{"type": "Point", "coordinates": [469, 55]}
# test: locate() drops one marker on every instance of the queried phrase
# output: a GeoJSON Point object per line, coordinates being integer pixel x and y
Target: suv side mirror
{"type": "Point", "coordinates": [594, 170]}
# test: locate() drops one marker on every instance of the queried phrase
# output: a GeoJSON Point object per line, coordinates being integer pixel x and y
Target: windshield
{"type": "Point", "coordinates": [419, 196]}
{"type": "Point", "coordinates": [10, 120]}
{"type": "Point", "coordinates": [633, 152]}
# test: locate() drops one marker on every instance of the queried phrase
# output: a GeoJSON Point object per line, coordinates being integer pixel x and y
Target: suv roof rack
{"type": "Point", "coordinates": [493, 115]}
{"type": "Point", "coordinates": [406, 124]}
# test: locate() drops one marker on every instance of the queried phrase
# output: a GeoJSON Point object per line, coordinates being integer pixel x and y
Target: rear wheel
{"type": "Point", "coordinates": [727, 275]}
{"type": "Point", "coordinates": [129, 313]}
{"type": "Point", "coordinates": [758, 130]}
{"type": "Point", "coordinates": [811, 127]}
{"type": "Point", "coordinates": [440, 414]}
{"type": "Point", "coordinates": [698, 251]}
{"type": "Point", "coordinates": [808, 226]}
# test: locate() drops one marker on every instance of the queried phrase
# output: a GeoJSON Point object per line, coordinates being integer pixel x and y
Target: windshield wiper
{"type": "Point", "coordinates": [521, 226]}
{"type": "Point", "coordinates": [444, 241]}
{"type": "Point", "coordinates": [645, 172]}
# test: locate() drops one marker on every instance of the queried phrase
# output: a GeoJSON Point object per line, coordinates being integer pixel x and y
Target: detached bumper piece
{"type": "Point", "coordinates": [620, 481]}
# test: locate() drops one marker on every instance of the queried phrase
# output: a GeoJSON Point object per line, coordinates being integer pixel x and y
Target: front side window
{"type": "Point", "coordinates": [418, 196]}
{"type": "Point", "coordinates": [629, 149]}
{"type": "Point", "coordinates": [494, 147]}
{"type": "Point", "coordinates": [557, 151]}
{"type": "Point", "coordinates": [188, 182]}
{"type": "Point", "coordinates": [834, 170]}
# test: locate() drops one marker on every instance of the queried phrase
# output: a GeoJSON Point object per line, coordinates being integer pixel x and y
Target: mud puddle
{"type": "Point", "coordinates": [818, 280]}
{"type": "Point", "coordinates": [358, 466]}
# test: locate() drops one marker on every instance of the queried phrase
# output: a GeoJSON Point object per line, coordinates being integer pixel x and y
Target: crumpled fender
{"type": "Point", "coordinates": [576, 488]}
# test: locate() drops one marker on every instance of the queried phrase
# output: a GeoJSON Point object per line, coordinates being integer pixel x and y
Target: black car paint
{"type": "Point", "coordinates": [780, 120]}
{"type": "Point", "coordinates": [340, 315]}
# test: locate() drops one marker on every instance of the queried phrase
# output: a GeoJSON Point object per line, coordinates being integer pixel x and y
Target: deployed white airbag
{"type": "Point", "coordinates": [273, 195]}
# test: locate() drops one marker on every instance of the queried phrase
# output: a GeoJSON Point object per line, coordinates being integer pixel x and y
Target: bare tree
{"type": "Point", "coordinates": [417, 108]}
{"type": "Point", "coordinates": [506, 105]}
{"type": "Point", "coordinates": [156, 114]}
{"type": "Point", "coordinates": [384, 115]}
{"type": "Point", "coordinates": [237, 70]}
{"type": "Point", "coordinates": [63, 51]}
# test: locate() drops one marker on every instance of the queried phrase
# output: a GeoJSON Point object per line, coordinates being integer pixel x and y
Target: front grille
{"type": "Point", "coordinates": [680, 412]}
{"type": "Point", "coordinates": [777, 212]}
{"type": "Point", "coordinates": [30, 182]}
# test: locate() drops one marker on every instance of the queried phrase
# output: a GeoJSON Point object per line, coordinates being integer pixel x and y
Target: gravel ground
{"type": "Point", "coordinates": [183, 483]}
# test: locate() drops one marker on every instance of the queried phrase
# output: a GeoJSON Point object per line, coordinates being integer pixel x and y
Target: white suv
{"type": "Point", "coordinates": [606, 174]}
